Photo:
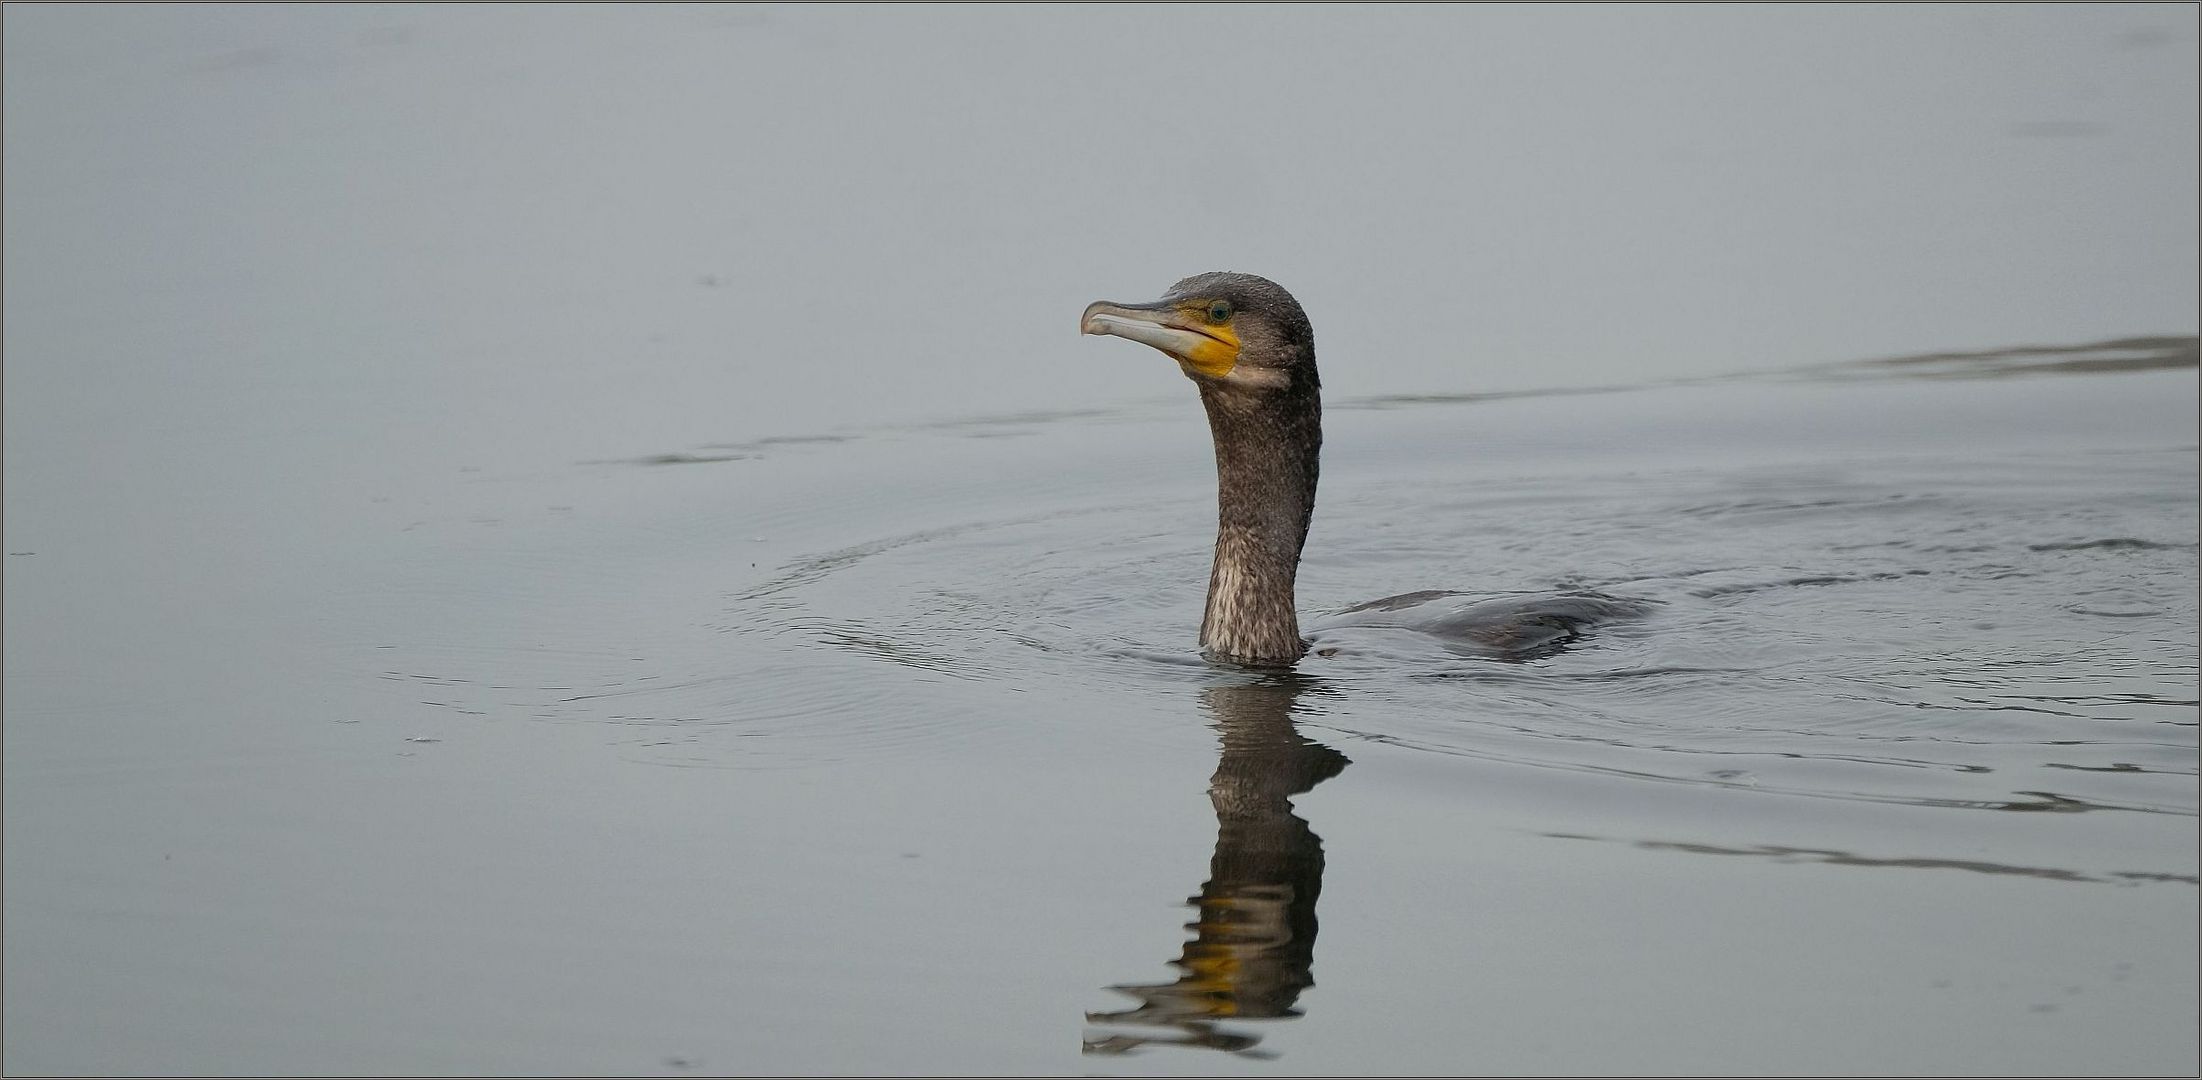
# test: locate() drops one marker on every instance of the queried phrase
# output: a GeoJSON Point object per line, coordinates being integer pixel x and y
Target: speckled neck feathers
{"type": "Point", "coordinates": [1268, 446]}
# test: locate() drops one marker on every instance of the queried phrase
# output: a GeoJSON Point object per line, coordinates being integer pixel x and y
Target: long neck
{"type": "Point", "coordinates": [1267, 451]}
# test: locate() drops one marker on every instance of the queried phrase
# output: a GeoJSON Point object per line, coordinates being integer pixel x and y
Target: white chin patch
{"type": "Point", "coordinates": [1255, 378]}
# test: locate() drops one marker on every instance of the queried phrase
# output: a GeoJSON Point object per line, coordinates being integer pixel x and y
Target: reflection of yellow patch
{"type": "Point", "coordinates": [1216, 980]}
{"type": "Point", "coordinates": [1216, 356]}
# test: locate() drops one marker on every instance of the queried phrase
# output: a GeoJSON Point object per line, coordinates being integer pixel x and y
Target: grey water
{"type": "Point", "coordinates": [586, 540]}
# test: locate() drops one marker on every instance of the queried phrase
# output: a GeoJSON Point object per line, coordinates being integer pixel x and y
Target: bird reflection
{"type": "Point", "coordinates": [1253, 941]}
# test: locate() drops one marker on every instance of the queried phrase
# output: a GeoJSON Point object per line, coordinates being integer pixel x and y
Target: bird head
{"type": "Point", "coordinates": [1232, 331]}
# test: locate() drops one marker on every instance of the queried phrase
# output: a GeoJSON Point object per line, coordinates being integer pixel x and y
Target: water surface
{"type": "Point", "coordinates": [585, 540]}
{"type": "Point", "coordinates": [888, 752]}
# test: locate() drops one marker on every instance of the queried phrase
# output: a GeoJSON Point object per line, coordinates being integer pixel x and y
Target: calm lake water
{"type": "Point", "coordinates": [522, 559]}
{"type": "Point", "coordinates": [884, 751]}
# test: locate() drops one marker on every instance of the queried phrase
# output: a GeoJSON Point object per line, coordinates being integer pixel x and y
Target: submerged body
{"type": "Point", "coordinates": [1248, 346]}
{"type": "Point", "coordinates": [1522, 627]}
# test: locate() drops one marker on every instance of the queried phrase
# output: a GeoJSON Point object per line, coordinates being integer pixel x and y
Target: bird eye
{"type": "Point", "coordinates": [1219, 311]}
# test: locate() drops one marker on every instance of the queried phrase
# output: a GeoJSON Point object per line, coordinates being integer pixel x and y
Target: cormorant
{"type": "Point", "coordinates": [1248, 347]}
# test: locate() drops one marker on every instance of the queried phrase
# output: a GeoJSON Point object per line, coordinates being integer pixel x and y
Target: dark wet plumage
{"type": "Point", "coordinates": [1265, 413]}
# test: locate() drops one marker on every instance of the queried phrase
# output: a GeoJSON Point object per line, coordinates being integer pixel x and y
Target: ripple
{"type": "Point", "coordinates": [1826, 857]}
{"type": "Point", "coordinates": [1801, 637]}
{"type": "Point", "coordinates": [1949, 632]}
{"type": "Point", "coordinates": [2115, 543]}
